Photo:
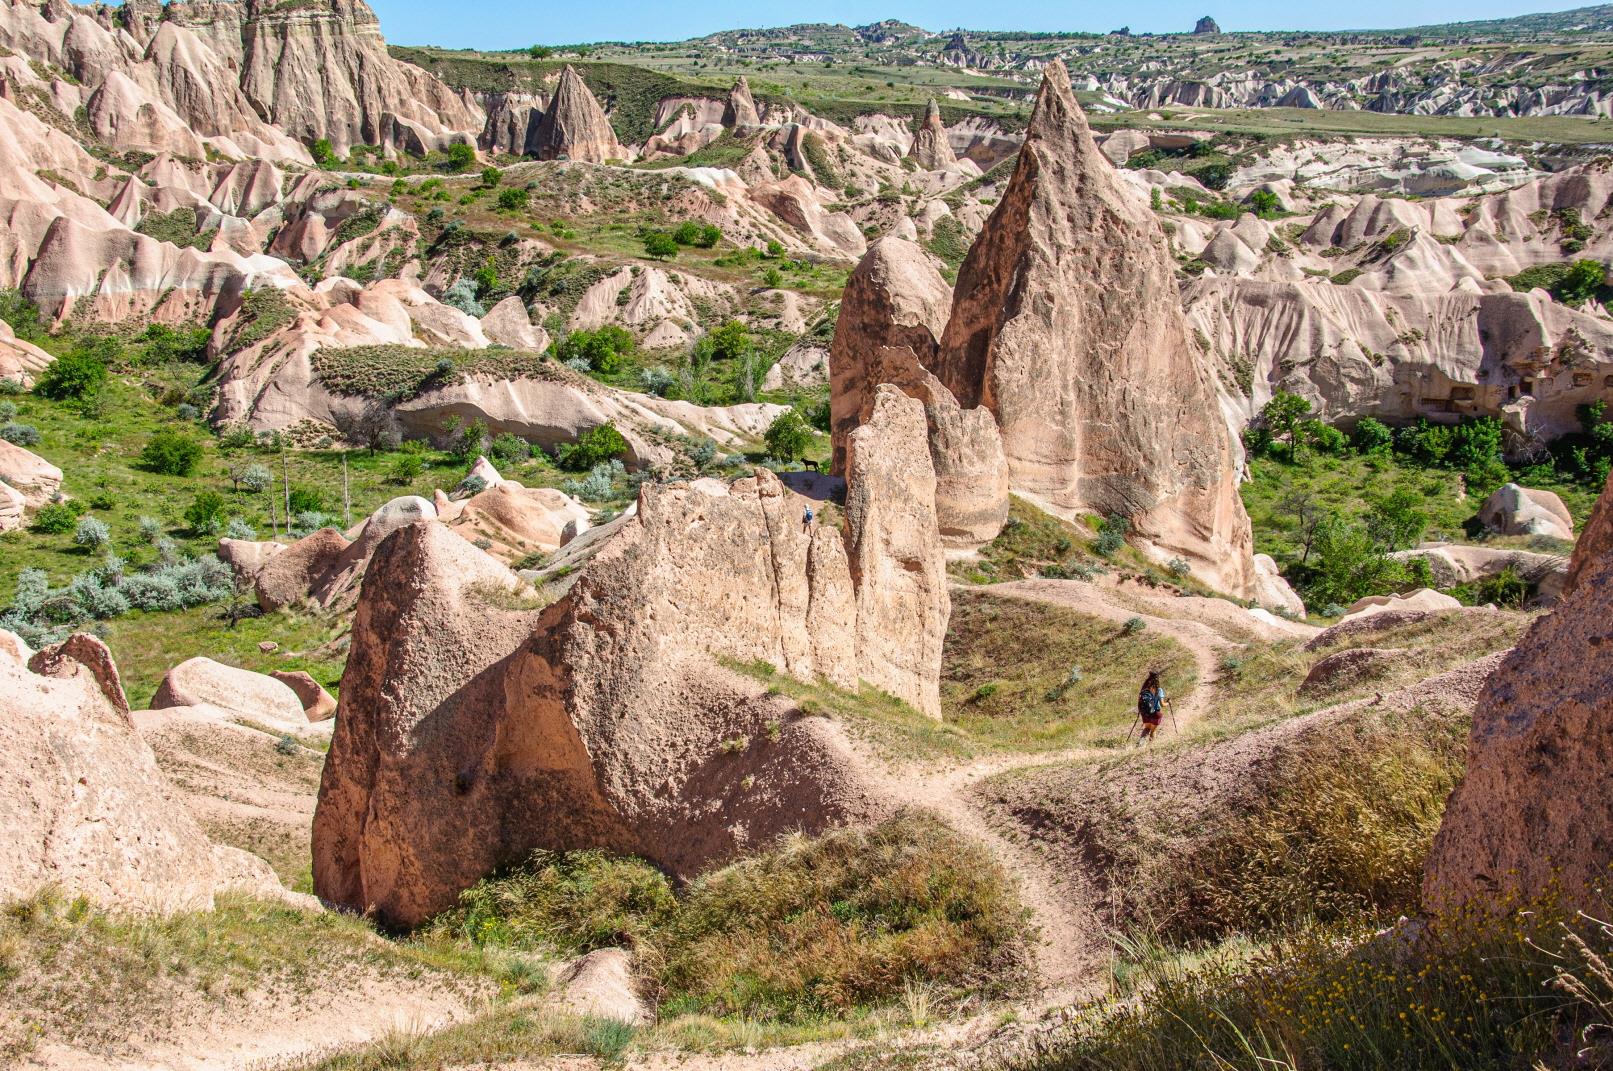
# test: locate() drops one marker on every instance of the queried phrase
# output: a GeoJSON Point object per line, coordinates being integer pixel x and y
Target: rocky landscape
{"type": "Point", "coordinates": [646, 555]}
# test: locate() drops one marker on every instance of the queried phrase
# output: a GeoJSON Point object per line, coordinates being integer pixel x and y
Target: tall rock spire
{"type": "Point", "coordinates": [740, 111]}
{"type": "Point", "coordinates": [574, 126]}
{"type": "Point", "coordinates": [931, 150]}
{"type": "Point", "coordinates": [1068, 327]}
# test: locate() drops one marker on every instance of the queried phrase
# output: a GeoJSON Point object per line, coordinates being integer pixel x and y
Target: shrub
{"type": "Point", "coordinates": [8, 412]}
{"type": "Point", "coordinates": [472, 485]}
{"type": "Point", "coordinates": [600, 483]}
{"type": "Point", "coordinates": [75, 375]}
{"type": "Point", "coordinates": [1581, 283]}
{"type": "Point", "coordinates": [656, 380]}
{"type": "Point", "coordinates": [91, 534]}
{"type": "Point", "coordinates": [171, 453]}
{"type": "Point", "coordinates": [1372, 436]}
{"type": "Point", "coordinates": [1264, 204]}
{"type": "Point", "coordinates": [460, 156]}
{"type": "Point", "coordinates": [1180, 568]}
{"type": "Point", "coordinates": [491, 176]}
{"type": "Point", "coordinates": [178, 585]}
{"type": "Point", "coordinates": [1133, 626]}
{"type": "Point", "coordinates": [98, 597]}
{"type": "Point", "coordinates": [788, 436]}
{"type": "Point", "coordinates": [239, 529]}
{"type": "Point", "coordinates": [508, 447]}
{"type": "Point", "coordinates": [257, 479]}
{"type": "Point", "coordinates": [1112, 532]}
{"type": "Point", "coordinates": [150, 529]}
{"type": "Point", "coordinates": [323, 153]}
{"type": "Point", "coordinates": [730, 341]}
{"type": "Point", "coordinates": [405, 468]}
{"type": "Point", "coordinates": [206, 513]}
{"type": "Point", "coordinates": [20, 434]}
{"type": "Point", "coordinates": [695, 233]}
{"type": "Point", "coordinates": [660, 245]}
{"type": "Point", "coordinates": [306, 500]}
{"type": "Point", "coordinates": [599, 443]}
{"type": "Point", "coordinates": [1325, 437]}
{"type": "Point", "coordinates": [307, 521]}
{"type": "Point", "coordinates": [462, 296]}
{"type": "Point", "coordinates": [605, 350]}
{"type": "Point", "coordinates": [512, 199]}
{"type": "Point", "coordinates": [57, 518]}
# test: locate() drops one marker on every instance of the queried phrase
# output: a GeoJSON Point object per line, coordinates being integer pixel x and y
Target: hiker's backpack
{"type": "Point", "coordinates": [1148, 703]}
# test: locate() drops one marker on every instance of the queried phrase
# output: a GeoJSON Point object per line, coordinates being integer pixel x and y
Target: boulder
{"type": "Point", "coordinates": [891, 314]}
{"type": "Point", "coordinates": [516, 521]}
{"type": "Point", "coordinates": [83, 653]}
{"type": "Point", "coordinates": [1272, 590]}
{"type": "Point", "coordinates": [37, 479]}
{"type": "Point", "coordinates": [1421, 601]}
{"type": "Point", "coordinates": [12, 508]}
{"type": "Point", "coordinates": [311, 568]}
{"type": "Point", "coordinates": [1515, 510]}
{"type": "Point", "coordinates": [1531, 817]}
{"type": "Point", "coordinates": [1451, 564]}
{"type": "Point", "coordinates": [473, 730]}
{"type": "Point", "coordinates": [317, 704]}
{"type": "Point", "coordinates": [739, 113]}
{"type": "Point", "coordinates": [1345, 669]}
{"type": "Point", "coordinates": [20, 361]}
{"type": "Point", "coordinates": [87, 811]}
{"type": "Point", "coordinates": [246, 557]}
{"type": "Point", "coordinates": [1067, 325]}
{"type": "Point", "coordinates": [240, 692]}
{"type": "Point", "coordinates": [509, 324]}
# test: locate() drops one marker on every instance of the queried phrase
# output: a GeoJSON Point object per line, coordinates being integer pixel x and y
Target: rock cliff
{"type": "Point", "coordinates": [1531, 817]}
{"type": "Point", "coordinates": [1067, 326]}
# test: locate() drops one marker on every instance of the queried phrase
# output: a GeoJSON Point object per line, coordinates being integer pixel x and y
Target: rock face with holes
{"type": "Point", "coordinates": [1515, 510]}
{"type": "Point", "coordinates": [1532, 812]}
{"type": "Point", "coordinates": [85, 808]}
{"type": "Point", "coordinates": [1067, 326]}
{"type": "Point", "coordinates": [892, 313]}
{"type": "Point", "coordinates": [474, 728]}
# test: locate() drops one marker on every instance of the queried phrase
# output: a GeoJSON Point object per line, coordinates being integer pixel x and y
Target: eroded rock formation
{"type": "Point", "coordinates": [931, 150]}
{"type": "Point", "coordinates": [473, 730]}
{"type": "Point", "coordinates": [574, 126]}
{"type": "Point", "coordinates": [1066, 324]}
{"type": "Point", "coordinates": [86, 809]}
{"type": "Point", "coordinates": [892, 313]}
{"type": "Point", "coordinates": [1532, 818]}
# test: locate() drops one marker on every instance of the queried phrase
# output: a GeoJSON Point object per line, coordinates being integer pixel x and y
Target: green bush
{"type": "Point", "coordinates": [660, 245]}
{"type": "Point", "coordinates": [76, 374]}
{"type": "Point", "coordinates": [171, 453]}
{"type": "Point", "coordinates": [57, 518]}
{"type": "Point", "coordinates": [1112, 532]}
{"type": "Point", "coordinates": [1372, 436]}
{"type": "Point", "coordinates": [788, 437]}
{"type": "Point", "coordinates": [491, 176]}
{"type": "Point", "coordinates": [605, 350]}
{"type": "Point", "coordinates": [693, 232]}
{"type": "Point", "coordinates": [405, 468]}
{"type": "Point", "coordinates": [512, 199]}
{"type": "Point", "coordinates": [207, 513]}
{"type": "Point", "coordinates": [460, 156]}
{"type": "Point", "coordinates": [600, 443]}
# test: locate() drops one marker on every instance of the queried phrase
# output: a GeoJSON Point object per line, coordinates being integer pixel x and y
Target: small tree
{"type": "Point", "coordinates": [1396, 521]}
{"type": "Point", "coordinates": [171, 453]}
{"type": "Point", "coordinates": [491, 176]}
{"type": "Point", "coordinates": [1584, 279]}
{"type": "Point", "coordinates": [1373, 436]}
{"type": "Point", "coordinates": [788, 436]}
{"type": "Point", "coordinates": [1282, 415]}
{"type": "Point", "coordinates": [660, 245]}
{"type": "Point", "coordinates": [730, 341]}
{"type": "Point", "coordinates": [460, 156]}
{"type": "Point", "coordinates": [599, 443]}
{"type": "Point", "coordinates": [75, 375]}
{"type": "Point", "coordinates": [1264, 204]}
{"type": "Point", "coordinates": [206, 513]}
{"type": "Point", "coordinates": [406, 468]}
{"type": "Point", "coordinates": [512, 199]}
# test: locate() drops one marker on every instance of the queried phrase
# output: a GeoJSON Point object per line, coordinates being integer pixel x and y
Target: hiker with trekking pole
{"type": "Point", "coordinates": [1151, 704]}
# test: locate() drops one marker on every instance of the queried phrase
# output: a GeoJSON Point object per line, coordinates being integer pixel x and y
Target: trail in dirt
{"type": "Point", "coordinates": [1073, 950]}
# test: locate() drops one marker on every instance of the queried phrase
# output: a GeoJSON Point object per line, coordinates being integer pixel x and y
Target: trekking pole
{"type": "Point", "coordinates": [1135, 721]}
{"type": "Point", "coordinates": [1174, 724]}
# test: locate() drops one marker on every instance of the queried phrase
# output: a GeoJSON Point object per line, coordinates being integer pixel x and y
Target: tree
{"type": "Point", "coordinates": [1325, 437]}
{"type": "Point", "coordinates": [604, 349]}
{"type": "Point", "coordinates": [171, 453]}
{"type": "Point", "coordinates": [540, 52]}
{"type": "Point", "coordinates": [512, 199]}
{"type": "Point", "coordinates": [1350, 564]}
{"type": "Point", "coordinates": [788, 436]}
{"type": "Point", "coordinates": [206, 513]}
{"type": "Point", "coordinates": [1264, 204]}
{"type": "Point", "coordinates": [1397, 520]}
{"type": "Point", "coordinates": [406, 468]}
{"type": "Point", "coordinates": [75, 375]}
{"type": "Point", "coordinates": [323, 153]}
{"type": "Point", "coordinates": [491, 176]}
{"type": "Point", "coordinates": [372, 426]}
{"type": "Point", "coordinates": [729, 341]}
{"type": "Point", "coordinates": [660, 245]}
{"type": "Point", "coordinates": [1584, 279]}
{"type": "Point", "coordinates": [1282, 415]}
{"type": "Point", "coordinates": [1372, 436]}
{"type": "Point", "coordinates": [460, 156]}
{"type": "Point", "coordinates": [1308, 514]}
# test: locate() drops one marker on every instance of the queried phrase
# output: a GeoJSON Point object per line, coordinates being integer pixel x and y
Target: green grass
{"type": "Point", "coordinates": [1307, 122]}
{"type": "Point", "coordinates": [1524, 990]}
{"type": "Point", "coordinates": [1006, 674]}
{"type": "Point", "coordinates": [809, 929]}
{"type": "Point", "coordinates": [401, 372]}
{"type": "Point", "coordinates": [79, 975]}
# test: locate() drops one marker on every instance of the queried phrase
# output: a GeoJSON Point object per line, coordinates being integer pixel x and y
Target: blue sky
{"type": "Point", "coordinates": [509, 23]}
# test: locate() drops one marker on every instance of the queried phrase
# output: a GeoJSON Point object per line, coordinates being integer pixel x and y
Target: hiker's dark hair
{"type": "Point", "coordinates": [1153, 679]}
